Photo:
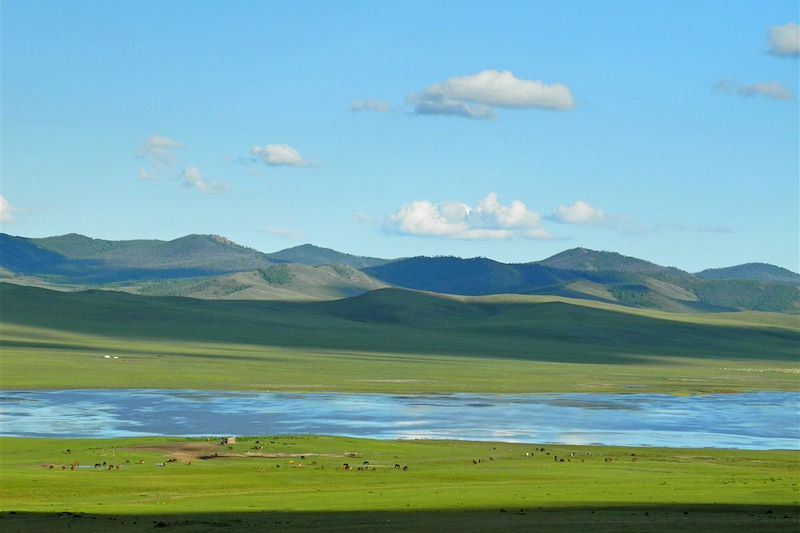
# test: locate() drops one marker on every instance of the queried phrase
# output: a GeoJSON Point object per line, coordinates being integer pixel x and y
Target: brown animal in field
{"type": "Point", "coordinates": [405, 469]}
{"type": "Point", "coordinates": [346, 466]}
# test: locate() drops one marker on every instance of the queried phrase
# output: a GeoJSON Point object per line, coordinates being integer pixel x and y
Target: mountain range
{"type": "Point", "coordinates": [213, 267]}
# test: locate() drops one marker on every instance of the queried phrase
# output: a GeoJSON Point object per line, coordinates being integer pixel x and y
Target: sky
{"type": "Point", "coordinates": [668, 131]}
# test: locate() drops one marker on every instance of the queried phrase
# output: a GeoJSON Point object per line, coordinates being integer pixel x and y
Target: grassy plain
{"type": "Point", "coordinates": [300, 482]}
{"type": "Point", "coordinates": [35, 358]}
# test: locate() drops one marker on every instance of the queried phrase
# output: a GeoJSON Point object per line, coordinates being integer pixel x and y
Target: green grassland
{"type": "Point", "coordinates": [300, 482]}
{"type": "Point", "coordinates": [33, 358]}
{"type": "Point", "coordinates": [387, 341]}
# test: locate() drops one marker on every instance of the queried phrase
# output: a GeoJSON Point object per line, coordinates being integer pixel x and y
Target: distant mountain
{"type": "Point", "coordinates": [584, 259]}
{"type": "Point", "coordinates": [588, 274]}
{"type": "Point", "coordinates": [18, 254]}
{"type": "Point", "coordinates": [209, 253]}
{"type": "Point", "coordinates": [752, 271]}
{"type": "Point", "coordinates": [308, 254]}
{"type": "Point", "coordinates": [477, 276]}
{"type": "Point", "coordinates": [213, 267]}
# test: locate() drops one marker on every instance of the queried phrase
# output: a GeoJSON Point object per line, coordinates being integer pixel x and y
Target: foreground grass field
{"type": "Point", "coordinates": [300, 482]}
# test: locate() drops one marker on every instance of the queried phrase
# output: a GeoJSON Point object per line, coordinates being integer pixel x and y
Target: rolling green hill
{"type": "Point", "coordinates": [392, 320]}
{"type": "Point", "coordinates": [275, 282]}
{"type": "Point", "coordinates": [752, 272]}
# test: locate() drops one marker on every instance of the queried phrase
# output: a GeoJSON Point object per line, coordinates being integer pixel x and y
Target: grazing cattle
{"type": "Point", "coordinates": [97, 465]}
{"type": "Point", "coordinates": [474, 462]}
{"type": "Point", "coordinates": [346, 466]}
{"type": "Point", "coordinates": [397, 467]}
{"type": "Point", "coordinates": [405, 469]}
{"type": "Point", "coordinates": [52, 467]}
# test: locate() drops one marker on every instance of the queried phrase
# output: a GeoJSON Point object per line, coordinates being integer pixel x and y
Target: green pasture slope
{"type": "Point", "coordinates": [300, 483]}
{"type": "Point", "coordinates": [386, 341]}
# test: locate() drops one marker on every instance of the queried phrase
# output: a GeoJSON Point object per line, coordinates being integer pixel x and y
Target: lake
{"type": "Point", "coordinates": [763, 420]}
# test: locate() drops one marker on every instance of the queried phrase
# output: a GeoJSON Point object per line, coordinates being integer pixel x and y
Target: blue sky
{"type": "Point", "coordinates": [512, 130]}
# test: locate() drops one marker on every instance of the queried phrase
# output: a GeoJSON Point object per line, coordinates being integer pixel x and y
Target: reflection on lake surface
{"type": "Point", "coordinates": [764, 420]}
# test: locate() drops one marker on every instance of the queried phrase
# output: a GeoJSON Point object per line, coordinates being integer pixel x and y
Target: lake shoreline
{"type": "Point", "coordinates": [755, 421]}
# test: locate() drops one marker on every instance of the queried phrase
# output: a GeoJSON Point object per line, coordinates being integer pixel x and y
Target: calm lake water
{"type": "Point", "coordinates": [765, 420]}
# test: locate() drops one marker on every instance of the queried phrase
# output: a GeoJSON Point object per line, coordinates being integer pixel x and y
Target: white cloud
{"type": "Point", "coordinates": [474, 96]}
{"type": "Point", "coordinates": [6, 210]}
{"type": "Point", "coordinates": [580, 213]}
{"type": "Point", "coordinates": [194, 179]}
{"type": "Point", "coordinates": [785, 40]}
{"type": "Point", "coordinates": [159, 150]}
{"type": "Point", "coordinates": [279, 155]}
{"type": "Point", "coordinates": [489, 220]}
{"type": "Point", "coordinates": [286, 233]}
{"type": "Point", "coordinates": [370, 105]}
{"type": "Point", "coordinates": [768, 89]}
{"type": "Point", "coordinates": [771, 90]}
{"type": "Point", "coordinates": [144, 175]}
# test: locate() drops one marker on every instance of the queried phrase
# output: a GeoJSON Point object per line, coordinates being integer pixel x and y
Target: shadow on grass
{"type": "Point", "coordinates": [659, 518]}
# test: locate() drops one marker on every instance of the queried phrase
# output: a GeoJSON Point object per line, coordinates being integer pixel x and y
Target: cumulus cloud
{"type": "Point", "coordinates": [475, 96]}
{"type": "Point", "coordinates": [785, 40]}
{"type": "Point", "coordinates": [370, 105]}
{"type": "Point", "coordinates": [580, 213]}
{"type": "Point", "coordinates": [286, 233]}
{"type": "Point", "coordinates": [6, 210]}
{"type": "Point", "coordinates": [159, 150]}
{"type": "Point", "coordinates": [192, 178]}
{"type": "Point", "coordinates": [489, 220]}
{"type": "Point", "coordinates": [279, 155]}
{"type": "Point", "coordinates": [771, 90]}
